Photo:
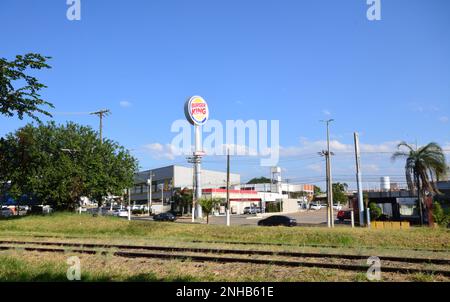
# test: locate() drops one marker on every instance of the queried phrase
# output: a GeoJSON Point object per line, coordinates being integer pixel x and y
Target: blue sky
{"type": "Point", "coordinates": [293, 61]}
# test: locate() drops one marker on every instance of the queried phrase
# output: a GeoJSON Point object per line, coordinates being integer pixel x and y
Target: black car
{"type": "Point", "coordinates": [164, 217]}
{"type": "Point", "coordinates": [278, 221]}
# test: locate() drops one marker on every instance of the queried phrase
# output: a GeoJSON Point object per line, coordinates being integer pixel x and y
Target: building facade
{"type": "Point", "coordinates": [166, 180]}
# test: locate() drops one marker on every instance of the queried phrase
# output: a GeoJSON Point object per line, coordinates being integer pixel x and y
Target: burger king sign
{"type": "Point", "coordinates": [196, 111]}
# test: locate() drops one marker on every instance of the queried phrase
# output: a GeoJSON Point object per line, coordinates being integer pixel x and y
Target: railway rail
{"type": "Point", "coordinates": [218, 256]}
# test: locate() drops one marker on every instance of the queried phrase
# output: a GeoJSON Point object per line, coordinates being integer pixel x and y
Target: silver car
{"type": "Point", "coordinates": [6, 212]}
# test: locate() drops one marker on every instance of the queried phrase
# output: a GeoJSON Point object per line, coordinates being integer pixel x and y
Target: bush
{"type": "Point", "coordinates": [375, 211]}
{"type": "Point", "coordinates": [273, 207]}
{"type": "Point", "coordinates": [439, 215]}
{"type": "Point", "coordinates": [138, 212]}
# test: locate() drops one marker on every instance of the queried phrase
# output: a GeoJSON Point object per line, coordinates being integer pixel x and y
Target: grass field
{"type": "Point", "coordinates": [31, 266]}
{"type": "Point", "coordinates": [110, 227]}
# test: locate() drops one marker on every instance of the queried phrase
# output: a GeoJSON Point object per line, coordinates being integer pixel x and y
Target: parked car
{"type": "Point", "coordinates": [337, 207]}
{"type": "Point", "coordinates": [120, 213]}
{"type": "Point", "coordinates": [41, 210]}
{"type": "Point", "coordinates": [6, 212]}
{"type": "Point", "coordinates": [344, 215]}
{"type": "Point", "coordinates": [252, 210]}
{"type": "Point", "coordinates": [164, 217]}
{"type": "Point", "coordinates": [278, 221]}
{"type": "Point", "coordinates": [316, 206]}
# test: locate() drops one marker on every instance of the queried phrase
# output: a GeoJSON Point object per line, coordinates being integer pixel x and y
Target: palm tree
{"type": "Point", "coordinates": [424, 166]}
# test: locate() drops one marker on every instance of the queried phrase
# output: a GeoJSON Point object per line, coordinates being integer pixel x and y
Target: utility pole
{"type": "Point", "coordinates": [228, 189]}
{"type": "Point", "coordinates": [327, 154]}
{"type": "Point", "coordinates": [358, 181]}
{"type": "Point", "coordinates": [101, 114]}
{"type": "Point", "coordinates": [129, 204]}
{"type": "Point", "coordinates": [149, 195]}
{"type": "Point", "coordinates": [287, 184]}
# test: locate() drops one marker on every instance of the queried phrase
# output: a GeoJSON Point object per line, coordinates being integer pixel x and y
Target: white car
{"type": "Point", "coordinates": [316, 206]}
{"type": "Point", "coordinates": [337, 207]}
{"type": "Point", "coordinates": [6, 212]}
{"type": "Point", "coordinates": [120, 213]}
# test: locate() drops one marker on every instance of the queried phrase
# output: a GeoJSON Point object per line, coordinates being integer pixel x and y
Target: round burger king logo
{"type": "Point", "coordinates": [197, 111]}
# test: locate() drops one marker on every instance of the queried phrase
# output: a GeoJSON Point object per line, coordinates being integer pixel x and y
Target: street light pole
{"type": "Point", "coordinates": [149, 194]}
{"type": "Point", "coordinates": [129, 204]}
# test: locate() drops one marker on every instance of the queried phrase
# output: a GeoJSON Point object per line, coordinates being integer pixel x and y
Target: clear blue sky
{"type": "Point", "coordinates": [293, 61]}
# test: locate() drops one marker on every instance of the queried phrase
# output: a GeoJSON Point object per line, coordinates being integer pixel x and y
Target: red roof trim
{"type": "Point", "coordinates": [231, 191]}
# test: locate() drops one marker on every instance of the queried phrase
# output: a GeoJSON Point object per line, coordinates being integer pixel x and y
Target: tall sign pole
{"type": "Point", "coordinates": [197, 113]}
{"type": "Point", "coordinates": [358, 181]}
{"type": "Point", "coordinates": [228, 189]}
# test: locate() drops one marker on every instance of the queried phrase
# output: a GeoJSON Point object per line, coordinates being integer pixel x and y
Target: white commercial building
{"type": "Point", "coordinates": [166, 180]}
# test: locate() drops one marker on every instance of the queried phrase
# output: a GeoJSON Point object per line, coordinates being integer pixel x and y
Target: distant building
{"type": "Point", "coordinates": [166, 180]}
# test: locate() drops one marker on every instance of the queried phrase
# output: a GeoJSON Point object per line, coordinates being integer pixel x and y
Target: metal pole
{"type": "Point", "coordinates": [368, 217]}
{"type": "Point", "coordinates": [329, 173]}
{"type": "Point", "coordinates": [198, 169]}
{"type": "Point", "coordinates": [358, 181]}
{"type": "Point", "coordinates": [149, 195]}
{"type": "Point", "coordinates": [352, 213]}
{"type": "Point", "coordinates": [129, 204]}
{"type": "Point", "coordinates": [193, 195]}
{"type": "Point", "coordinates": [162, 196]}
{"type": "Point", "coordinates": [328, 191]}
{"type": "Point", "coordinates": [228, 189]}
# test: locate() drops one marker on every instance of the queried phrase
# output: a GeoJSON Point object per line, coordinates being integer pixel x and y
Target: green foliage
{"type": "Point", "coordinates": [439, 215]}
{"type": "Point", "coordinates": [339, 190]}
{"type": "Point", "coordinates": [273, 207]}
{"type": "Point", "coordinates": [24, 100]}
{"type": "Point", "coordinates": [183, 198]}
{"type": "Point", "coordinates": [208, 205]}
{"type": "Point", "coordinates": [424, 165]}
{"type": "Point", "coordinates": [58, 164]}
{"type": "Point", "coordinates": [375, 211]}
{"type": "Point", "coordinates": [260, 180]}
{"type": "Point", "coordinates": [317, 190]}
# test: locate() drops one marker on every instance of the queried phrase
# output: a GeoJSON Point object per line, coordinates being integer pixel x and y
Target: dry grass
{"type": "Point", "coordinates": [19, 266]}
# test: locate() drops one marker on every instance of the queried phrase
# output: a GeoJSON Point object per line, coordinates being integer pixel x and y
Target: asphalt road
{"type": "Point", "coordinates": [309, 218]}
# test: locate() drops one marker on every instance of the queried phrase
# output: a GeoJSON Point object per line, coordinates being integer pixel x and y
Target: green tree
{"type": "Point", "coordinates": [439, 215]}
{"type": "Point", "coordinates": [58, 164]}
{"type": "Point", "coordinates": [339, 190]}
{"type": "Point", "coordinates": [259, 180]}
{"type": "Point", "coordinates": [183, 198]}
{"type": "Point", "coordinates": [317, 190]}
{"type": "Point", "coordinates": [424, 166]}
{"type": "Point", "coordinates": [375, 211]}
{"type": "Point", "coordinates": [24, 100]}
{"type": "Point", "coordinates": [208, 205]}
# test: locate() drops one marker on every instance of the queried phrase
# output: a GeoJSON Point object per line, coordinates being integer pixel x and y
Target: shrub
{"type": "Point", "coordinates": [375, 211]}
{"type": "Point", "coordinates": [439, 215]}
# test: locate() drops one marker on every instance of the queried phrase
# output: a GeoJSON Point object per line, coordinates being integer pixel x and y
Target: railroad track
{"type": "Point", "coordinates": [217, 256]}
{"type": "Point", "coordinates": [276, 244]}
{"type": "Point", "coordinates": [232, 251]}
